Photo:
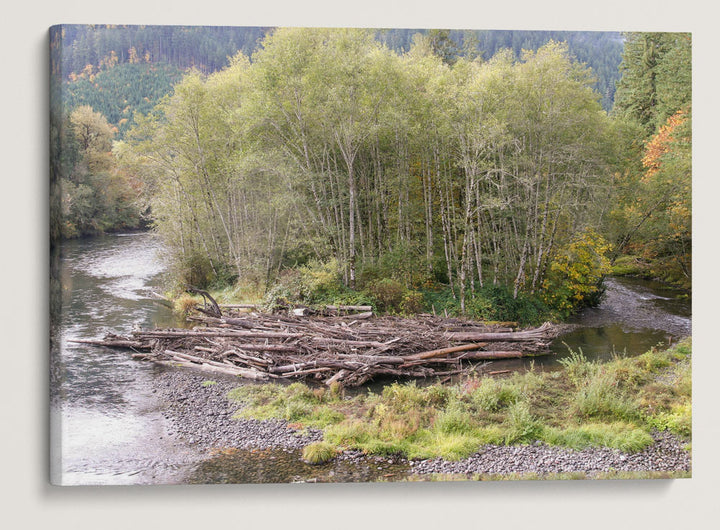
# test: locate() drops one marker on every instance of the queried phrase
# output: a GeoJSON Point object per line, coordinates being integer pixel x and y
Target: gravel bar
{"type": "Point", "coordinates": [201, 414]}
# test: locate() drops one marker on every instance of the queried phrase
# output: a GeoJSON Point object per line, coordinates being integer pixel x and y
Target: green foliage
{"type": "Point", "coordinates": [399, 263]}
{"type": "Point", "coordinates": [520, 424]}
{"type": "Point", "coordinates": [387, 293]}
{"type": "Point", "coordinates": [315, 283]}
{"type": "Point", "coordinates": [203, 47]}
{"type": "Point", "coordinates": [631, 266]}
{"type": "Point", "coordinates": [652, 217]}
{"type": "Point", "coordinates": [93, 196]}
{"type": "Point", "coordinates": [577, 367]}
{"type": "Point", "coordinates": [329, 145]}
{"type": "Point", "coordinates": [413, 302]}
{"type": "Point", "coordinates": [493, 395]}
{"type": "Point", "coordinates": [491, 303]}
{"type": "Point", "coordinates": [678, 420]}
{"type": "Point", "coordinates": [600, 397]}
{"type": "Point", "coordinates": [656, 75]}
{"type": "Point", "coordinates": [194, 270]}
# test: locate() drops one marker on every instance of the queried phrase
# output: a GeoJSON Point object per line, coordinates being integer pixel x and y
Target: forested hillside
{"type": "Point", "coordinates": [208, 48]}
{"type": "Point", "coordinates": [121, 90]}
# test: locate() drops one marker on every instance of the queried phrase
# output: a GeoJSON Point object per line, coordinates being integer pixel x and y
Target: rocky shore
{"type": "Point", "coordinates": [200, 414]}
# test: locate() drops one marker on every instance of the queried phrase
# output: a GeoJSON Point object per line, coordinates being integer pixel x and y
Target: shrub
{"type": "Point", "coordinates": [493, 395]}
{"type": "Point", "coordinates": [454, 420]}
{"type": "Point", "coordinates": [405, 263]}
{"type": "Point", "coordinates": [678, 420]}
{"type": "Point", "coordinates": [319, 280]}
{"type": "Point", "coordinates": [387, 293]}
{"type": "Point", "coordinates": [412, 303]}
{"type": "Point", "coordinates": [577, 367]}
{"type": "Point", "coordinates": [520, 424]}
{"type": "Point", "coordinates": [193, 269]}
{"type": "Point", "coordinates": [576, 272]}
{"type": "Point", "coordinates": [491, 303]}
{"type": "Point", "coordinates": [601, 397]}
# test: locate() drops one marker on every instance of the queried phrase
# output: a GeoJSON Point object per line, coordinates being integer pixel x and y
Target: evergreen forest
{"type": "Point", "coordinates": [498, 175]}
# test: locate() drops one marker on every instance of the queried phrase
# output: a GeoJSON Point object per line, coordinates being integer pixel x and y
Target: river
{"type": "Point", "coordinates": [107, 425]}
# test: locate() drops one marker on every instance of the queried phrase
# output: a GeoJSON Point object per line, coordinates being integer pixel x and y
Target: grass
{"type": "Point", "coordinates": [185, 303]}
{"type": "Point", "coordinates": [296, 403]}
{"type": "Point", "coordinates": [586, 404]}
{"type": "Point", "coordinates": [318, 453]}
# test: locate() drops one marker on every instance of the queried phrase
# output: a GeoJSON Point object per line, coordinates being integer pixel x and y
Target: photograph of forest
{"type": "Point", "coordinates": [302, 254]}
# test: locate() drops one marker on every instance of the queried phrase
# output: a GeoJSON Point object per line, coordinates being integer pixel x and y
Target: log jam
{"type": "Point", "coordinates": [350, 349]}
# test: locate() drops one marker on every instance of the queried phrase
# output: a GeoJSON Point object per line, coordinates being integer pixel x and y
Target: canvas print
{"type": "Point", "coordinates": [293, 254]}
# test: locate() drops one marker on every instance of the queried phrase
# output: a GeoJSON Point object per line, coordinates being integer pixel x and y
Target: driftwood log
{"type": "Point", "coordinates": [350, 349]}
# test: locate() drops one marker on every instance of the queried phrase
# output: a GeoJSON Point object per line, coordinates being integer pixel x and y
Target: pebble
{"type": "Point", "coordinates": [666, 454]}
{"type": "Point", "coordinates": [202, 415]}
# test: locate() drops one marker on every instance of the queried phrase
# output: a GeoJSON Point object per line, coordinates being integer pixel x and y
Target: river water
{"type": "Point", "coordinates": [107, 426]}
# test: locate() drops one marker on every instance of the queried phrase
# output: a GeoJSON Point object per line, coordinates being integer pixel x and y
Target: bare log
{"type": "Point", "coordinates": [210, 306]}
{"type": "Point", "coordinates": [443, 351]}
{"type": "Point", "coordinates": [220, 367]}
{"type": "Point", "coordinates": [348, 307]}
{"type": "Point", "coordinates": [113, 342]}
{"type": "Point", "coordinates": [368, 314]}
{"type": "Point", "coordinates": [516, 336]}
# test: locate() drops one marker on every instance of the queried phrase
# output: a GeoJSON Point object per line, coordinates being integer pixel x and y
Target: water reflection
{"type": "Point", "coordinates": [235, 466]}
{"type": "Point", "coordinates": [634, 316]}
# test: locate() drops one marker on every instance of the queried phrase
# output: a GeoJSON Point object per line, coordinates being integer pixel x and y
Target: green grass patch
{"type": "Point", "coordinates": [586, 404]}
{"type": "Point", "coordinates": [318, 453]}
{"type": "Point", "coordinates": [296, 403]}
{"type": "Point", "coordinates": [619, 435]}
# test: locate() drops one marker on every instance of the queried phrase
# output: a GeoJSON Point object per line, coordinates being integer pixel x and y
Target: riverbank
{"type": "Point", "coordinates": [200, 413]}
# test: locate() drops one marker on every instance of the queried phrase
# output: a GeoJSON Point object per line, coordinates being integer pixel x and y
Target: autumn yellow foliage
{"type": "Point", "coordinates": [576, 272]}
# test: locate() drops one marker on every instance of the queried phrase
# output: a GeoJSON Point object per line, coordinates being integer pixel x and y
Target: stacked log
{"type": "Point", "coordinates": [350, 349]}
